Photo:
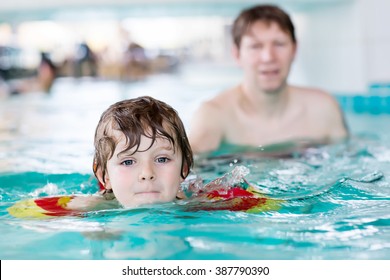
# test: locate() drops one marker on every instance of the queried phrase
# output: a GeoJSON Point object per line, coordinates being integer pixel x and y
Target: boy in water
{"type": "Point", "coordinates": [142, 153]}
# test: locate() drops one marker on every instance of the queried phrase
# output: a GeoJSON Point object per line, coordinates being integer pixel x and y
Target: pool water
{"type": "Point", "coordinates": [335, 198]}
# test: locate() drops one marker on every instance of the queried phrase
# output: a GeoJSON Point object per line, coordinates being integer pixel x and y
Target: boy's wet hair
{"type": "Point", "coordinates": [265, 13]}
{"type": "Point", "coordinates": [136, 117]}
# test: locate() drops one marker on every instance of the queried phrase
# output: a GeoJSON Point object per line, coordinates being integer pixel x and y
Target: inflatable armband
{"type": "Point", "coordinates": [43, 207]}
{"type": "Point", "coordinates": [233, 193]}
{"type": "Point", "coordinates": [233, 199]}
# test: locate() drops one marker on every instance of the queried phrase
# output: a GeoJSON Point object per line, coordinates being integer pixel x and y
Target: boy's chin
{"type": "Point", "coordinates": [145, 202]}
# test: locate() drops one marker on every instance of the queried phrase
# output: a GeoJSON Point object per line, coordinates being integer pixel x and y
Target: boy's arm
{"type": "Point", "coordinates": [91, 203]}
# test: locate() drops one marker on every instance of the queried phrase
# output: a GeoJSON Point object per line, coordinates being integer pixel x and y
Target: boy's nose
{"type": "Point", "coordinates": [147, 174]}
{"type": "Point", "coordinates": [145, 177]}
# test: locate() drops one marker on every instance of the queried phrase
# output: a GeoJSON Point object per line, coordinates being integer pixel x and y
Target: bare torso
{"type": "Point", "coordinates": [305, 114]}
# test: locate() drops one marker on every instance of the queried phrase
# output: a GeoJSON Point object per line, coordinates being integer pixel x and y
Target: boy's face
{"type": "Point", "coordinates": [266, 54]}
{"type": "Point", "coordinates": [148, 176]}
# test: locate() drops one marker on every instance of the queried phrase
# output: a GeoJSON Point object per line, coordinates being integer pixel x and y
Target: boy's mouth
{"type": "Point", "coordinates": [148, 193]}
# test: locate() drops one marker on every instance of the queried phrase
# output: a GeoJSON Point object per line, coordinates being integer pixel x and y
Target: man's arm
{"type": "Point", "coordinates": [206, 129]}
{"type": "Point", "coordinates": [340, 129]}
{"type": "Point", "coordinates": [335, 120]}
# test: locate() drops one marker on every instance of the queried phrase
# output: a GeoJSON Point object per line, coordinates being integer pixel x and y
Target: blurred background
{"type": "Point", "coordinates": [343, 45]}
{"type": "Point", "coordinates": [62, 63]}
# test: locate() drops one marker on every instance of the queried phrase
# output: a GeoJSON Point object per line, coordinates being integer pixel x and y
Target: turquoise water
{"type": "Point", "coordinates": [336, 199]}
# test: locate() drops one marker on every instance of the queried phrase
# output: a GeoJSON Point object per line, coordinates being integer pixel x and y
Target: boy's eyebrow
{"type": "Point", "coordinates": [168, 147]}
{"type": "Point", "coordinates": [124, 154]}
{"type": "Point", "coordinates": [165, 148]}
{"type": "Point", "coordinates": [130, 152]}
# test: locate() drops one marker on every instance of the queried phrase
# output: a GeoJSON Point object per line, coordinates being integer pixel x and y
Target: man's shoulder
{"type": "Point", "coordinates": [314, 92]}
{"type": "Point", "coordinates": [317, 102]}
{"type": "Point", "coordinates": [314, 96]}
{"type": "Point", "coordinates": [222, 101]}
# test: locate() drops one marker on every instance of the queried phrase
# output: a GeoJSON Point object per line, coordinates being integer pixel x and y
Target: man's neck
{"type": "Point", "coordinates": [269, 104]}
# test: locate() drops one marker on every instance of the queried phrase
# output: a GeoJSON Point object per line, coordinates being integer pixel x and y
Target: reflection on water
{"type": "Point", "coordinates": [335, 198]}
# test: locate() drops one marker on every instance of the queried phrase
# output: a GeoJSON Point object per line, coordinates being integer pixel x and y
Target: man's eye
{"type": "Point", "coordinates": [162, 159]}
{"type": "Point", "coordinates": [280, 44]}
{"type": "Point", "coordinates": [128, 162]}
{"type": "Point", "coordinates": [255, 46]}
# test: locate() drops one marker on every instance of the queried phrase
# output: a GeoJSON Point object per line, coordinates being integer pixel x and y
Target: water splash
{"type": "Point", "coordinates": [49, 189]}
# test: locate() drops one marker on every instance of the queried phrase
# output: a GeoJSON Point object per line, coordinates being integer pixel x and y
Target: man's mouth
{"type": "Point", "coordinates": [269, 73]}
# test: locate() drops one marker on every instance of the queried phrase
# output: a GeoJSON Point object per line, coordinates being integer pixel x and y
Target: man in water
{"type": "Point", "coordinates": [264, 109]}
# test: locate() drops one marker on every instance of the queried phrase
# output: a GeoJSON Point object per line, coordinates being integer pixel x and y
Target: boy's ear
{"type": "Point", "coordinates": [105, 183]}
{"type": "Point", "coordinates": [184, 171]}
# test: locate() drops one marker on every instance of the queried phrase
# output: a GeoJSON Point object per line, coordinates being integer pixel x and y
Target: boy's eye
{"type": "Point", "coordinates": [128, 162]}
{"type": "Point", "coordinates": [162, 159]}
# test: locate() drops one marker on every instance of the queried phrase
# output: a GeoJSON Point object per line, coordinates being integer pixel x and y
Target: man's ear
{"type": "Point", "coordinates": [236, 53]}
{"type": "Point", "coordinates": [295, 50]}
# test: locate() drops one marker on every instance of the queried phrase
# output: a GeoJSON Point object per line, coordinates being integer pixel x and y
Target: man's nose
{"type": "Point", "coordinates": [267, 53]}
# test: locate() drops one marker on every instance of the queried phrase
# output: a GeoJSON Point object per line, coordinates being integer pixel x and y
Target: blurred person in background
{"type": "Point", "coordinates": [46, 73]}
{"type": "Point", "coordinates": [85, 61]}
{"type": "Point", "coordinates": [136, 64]}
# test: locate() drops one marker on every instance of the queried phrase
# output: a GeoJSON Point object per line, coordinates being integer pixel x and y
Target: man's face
{"type": "Point", "coordinates": [266, 54]}
{"type": "Point", "coordinates": [148, 176]}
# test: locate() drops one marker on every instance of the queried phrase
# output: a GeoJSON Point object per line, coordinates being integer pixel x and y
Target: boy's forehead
{"type": "Point", "coordinates": [146, 143]}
